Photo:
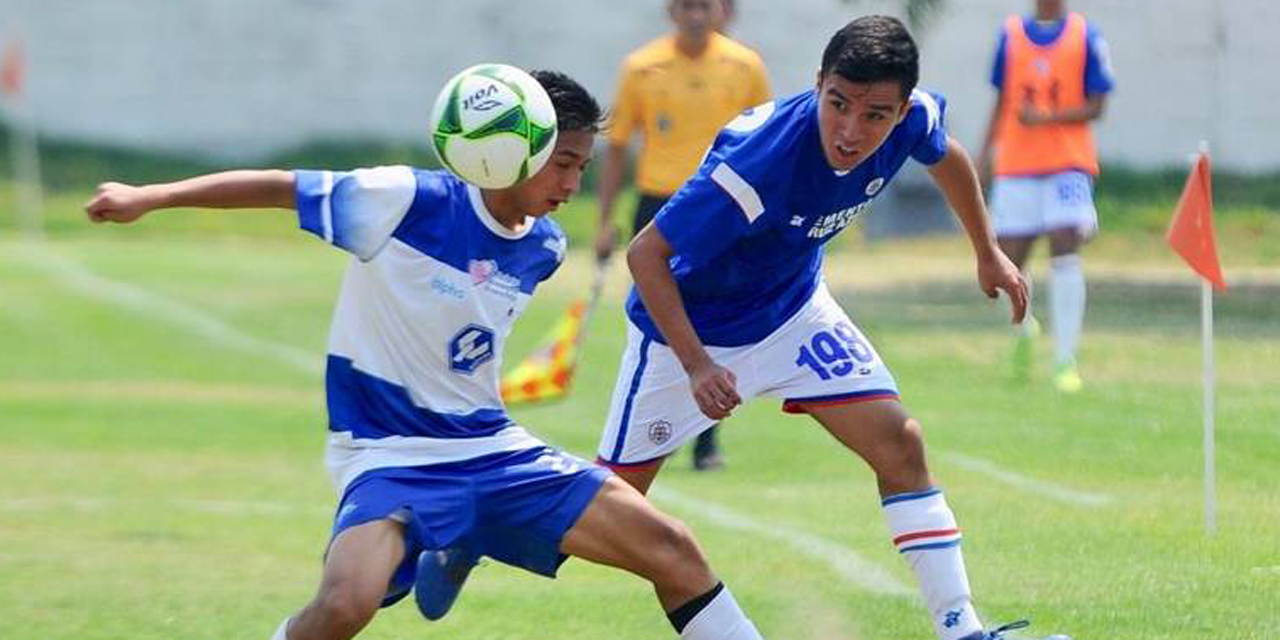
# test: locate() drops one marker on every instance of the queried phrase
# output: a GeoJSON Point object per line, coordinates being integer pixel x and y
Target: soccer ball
{"type": "Point", "coordinates": [493, 126]}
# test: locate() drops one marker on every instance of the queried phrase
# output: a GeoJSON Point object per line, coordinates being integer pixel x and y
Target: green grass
{"type": "Point", "coordinates": [161, 484]}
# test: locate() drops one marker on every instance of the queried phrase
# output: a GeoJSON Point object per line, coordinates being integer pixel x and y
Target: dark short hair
{"type": "Point", "coordinates": [873, 49]}
{"type": "Point", "coordinates": [576, 108]}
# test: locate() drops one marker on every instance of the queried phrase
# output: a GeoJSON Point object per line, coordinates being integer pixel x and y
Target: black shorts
{"type": "Point", "coordinates": [646, 209]}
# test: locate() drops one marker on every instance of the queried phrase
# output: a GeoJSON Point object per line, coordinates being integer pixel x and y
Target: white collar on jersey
{"type": "Point", "coordinates": [482, 212]}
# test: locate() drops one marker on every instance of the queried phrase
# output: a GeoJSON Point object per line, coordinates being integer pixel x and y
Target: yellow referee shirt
{"type": "Point", "coordinates": [680, 103]}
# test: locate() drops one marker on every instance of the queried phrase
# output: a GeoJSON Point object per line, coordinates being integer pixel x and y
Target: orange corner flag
{"type": "Point", "coordinates": [11, 69]}
{"type": "Point", "coordinates": [547, 373]}
{"type": "Point", "coordinates": [1191, 232]}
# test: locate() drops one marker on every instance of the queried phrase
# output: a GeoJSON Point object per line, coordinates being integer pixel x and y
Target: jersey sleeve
{"type": "Point", "coordinates": [741, 178]}
{"type": "Point", "coordinates": [557, 244]}
{"type": "Point", "coordinates": [997, 64]}
{"type": "Point", "coordinates": [1098, 78]}
{"type": "Point", "coordinates": [759, 92]}
{"type": "Point", "coordinates": [928, 117]}
{"type": "Point", "coordinates": [354, 210]}
{"type": "Point", "coordinates": [624, 116]}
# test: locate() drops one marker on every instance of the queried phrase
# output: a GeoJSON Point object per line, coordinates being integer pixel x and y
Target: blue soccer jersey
{"type": "Point", "coordinates": [748, 228]}
{"type": "Point", "coordinates": [416, 343]}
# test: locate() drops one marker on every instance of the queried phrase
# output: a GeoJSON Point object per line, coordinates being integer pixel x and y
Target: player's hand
{"type": "Point", "coordinates": [116, 202]}
{"type": "Point", "coordinates": [606, 240]}
{"type": "Point", "coordinates": [715, 389]}
{"type": "Point", "coordinates": [998, 273]}
{"type": "Point", "coordinates": [1032, 116]}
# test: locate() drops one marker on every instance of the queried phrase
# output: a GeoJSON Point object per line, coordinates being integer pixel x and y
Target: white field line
{"type": "Point", "coordinates": [126, 296]}
{"type": "Point", "coordinates": [856, 570]}
{"type": "Point", "coordinates": [1030, 485]}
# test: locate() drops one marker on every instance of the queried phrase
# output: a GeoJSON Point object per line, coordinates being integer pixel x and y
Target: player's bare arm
{"type": "Point", "coordinates": [1093, 109]}
{"type": "Point", "coordinates": [611, 173]}
{"type": "Point", "coordinates": [714, 387]}
{"type": "Point", "coordinates": [986, 153]}
{"type": "Point", "coordinates": [244, 189]}
{"type": "Point", "coordinates": [956, 177]}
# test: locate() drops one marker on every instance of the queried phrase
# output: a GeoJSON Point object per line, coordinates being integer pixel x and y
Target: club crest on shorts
{"type": "Point", "coordinates": [659, 431]}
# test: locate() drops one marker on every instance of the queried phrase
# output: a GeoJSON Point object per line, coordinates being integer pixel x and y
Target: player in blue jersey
{"type": "Point", "coordinates": [729, 301]}
{"type": "Point", "coordinates": [431, 471]}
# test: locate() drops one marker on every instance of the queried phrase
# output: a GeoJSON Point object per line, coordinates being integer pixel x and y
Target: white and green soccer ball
{"type": "Point", "coordinates": [493, 126]}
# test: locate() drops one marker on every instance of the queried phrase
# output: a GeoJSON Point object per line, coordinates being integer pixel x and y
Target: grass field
{"type": "Point", "coordinates": [161, 424]}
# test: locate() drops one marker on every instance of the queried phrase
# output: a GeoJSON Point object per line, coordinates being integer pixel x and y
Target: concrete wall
{"type": "Point", "coordinates": [237, 78]}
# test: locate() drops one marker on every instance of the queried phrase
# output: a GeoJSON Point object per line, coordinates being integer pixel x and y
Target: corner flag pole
{"type": "Point", "coordinates": [1206, 341]}
{"type": "Point", "coordinates": [1191, 236]}
{"type": "Point", "coordinates": [1206, 344]}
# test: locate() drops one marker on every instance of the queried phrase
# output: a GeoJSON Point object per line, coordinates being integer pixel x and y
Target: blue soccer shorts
{"type": "Point", "coordinates": [514, 507]}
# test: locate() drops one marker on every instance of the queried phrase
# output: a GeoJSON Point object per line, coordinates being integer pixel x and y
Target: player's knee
{"type": "Point", "coordinates": [902, 456]}
{"type": "Point", "coordinates": [345, 608]}
{"type": "Point", "coordinates": [675, 556]}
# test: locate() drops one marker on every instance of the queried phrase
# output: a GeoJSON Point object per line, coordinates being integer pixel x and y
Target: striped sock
{"type": "Point", "coordinates": [925, 532]}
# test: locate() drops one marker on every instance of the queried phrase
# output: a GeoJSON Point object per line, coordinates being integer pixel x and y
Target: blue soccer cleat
{"type": "Point", "coordinates": [999, 633]}
{"type": "Point", "coordinates": [440, 576]}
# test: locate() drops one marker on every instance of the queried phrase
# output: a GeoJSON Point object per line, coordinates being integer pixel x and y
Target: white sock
{"type": "Point", "coordinates": [281, 632]}
{"type": "Point", "coordinates": [925, 532]}
{"type": "Point", "coordinates": [721, 619]}
{"type": "Point", "coordinates": [1066, 304]}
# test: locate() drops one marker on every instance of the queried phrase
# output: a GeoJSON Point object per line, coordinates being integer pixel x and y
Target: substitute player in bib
{"type": "Point", "coordinates": [729, 301]}
{"type": "Point", "coordinates": [677, 91]}
{"type": "Point", "coordinates": [1053, 74]}
{"type": "Point", "coordinates": [431, 471]}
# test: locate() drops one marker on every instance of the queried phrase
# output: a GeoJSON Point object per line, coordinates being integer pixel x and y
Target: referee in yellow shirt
{"type": "Point", "coordinates": [678, 91]}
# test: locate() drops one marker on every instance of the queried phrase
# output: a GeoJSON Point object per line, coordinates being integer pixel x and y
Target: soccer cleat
{"type": "Point", "coordinates": [1024, 349]}
{"type": "Point", "coordinates": [1067, 379]}
{"type": "Point", "coordinates": [708, 462]}
{"type": "Point", "coordinates": [706, 451]}
{"type": "Point", "coordinates": [441, 574]}
{"type": "Point", "coordinates": [999, 633]}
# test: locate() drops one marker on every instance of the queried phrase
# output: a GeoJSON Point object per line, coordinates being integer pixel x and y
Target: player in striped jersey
{"type": "Point", "coordinates": [431, 471]}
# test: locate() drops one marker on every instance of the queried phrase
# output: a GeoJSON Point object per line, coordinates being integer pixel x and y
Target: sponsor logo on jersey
{"type": "Point", "coordinates": [873, 187]}
{"type": "Point", "coordinates": [797, 221]}
{"type": "Point", "coordinates": [485, 273]}
{"type": "Point", "coordinates": [659, 431]}
{"type": "Point", "coordinates": [446, 288]}
{"type": "Point", "coordinates": [833, 222]}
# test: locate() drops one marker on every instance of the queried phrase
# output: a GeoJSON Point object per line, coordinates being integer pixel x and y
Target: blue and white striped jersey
{"type": "Point", "coordinates": [748, 228]}
{"type": "Point", "coordinates": [415, 347]}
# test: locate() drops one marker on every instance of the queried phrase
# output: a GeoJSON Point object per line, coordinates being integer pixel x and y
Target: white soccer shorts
{"type": "Point", "coordinates": [1026, 206]}
{"type": "Point", "coordinates": [818, 356]}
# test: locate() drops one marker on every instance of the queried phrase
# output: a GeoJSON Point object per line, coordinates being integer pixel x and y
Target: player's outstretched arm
{"type": "Point", "coordinates": [714, 387]}
{"type": "Point", "coordinates": [244, 189]}
{"type": "Point", "coordinates": [958, 180]}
